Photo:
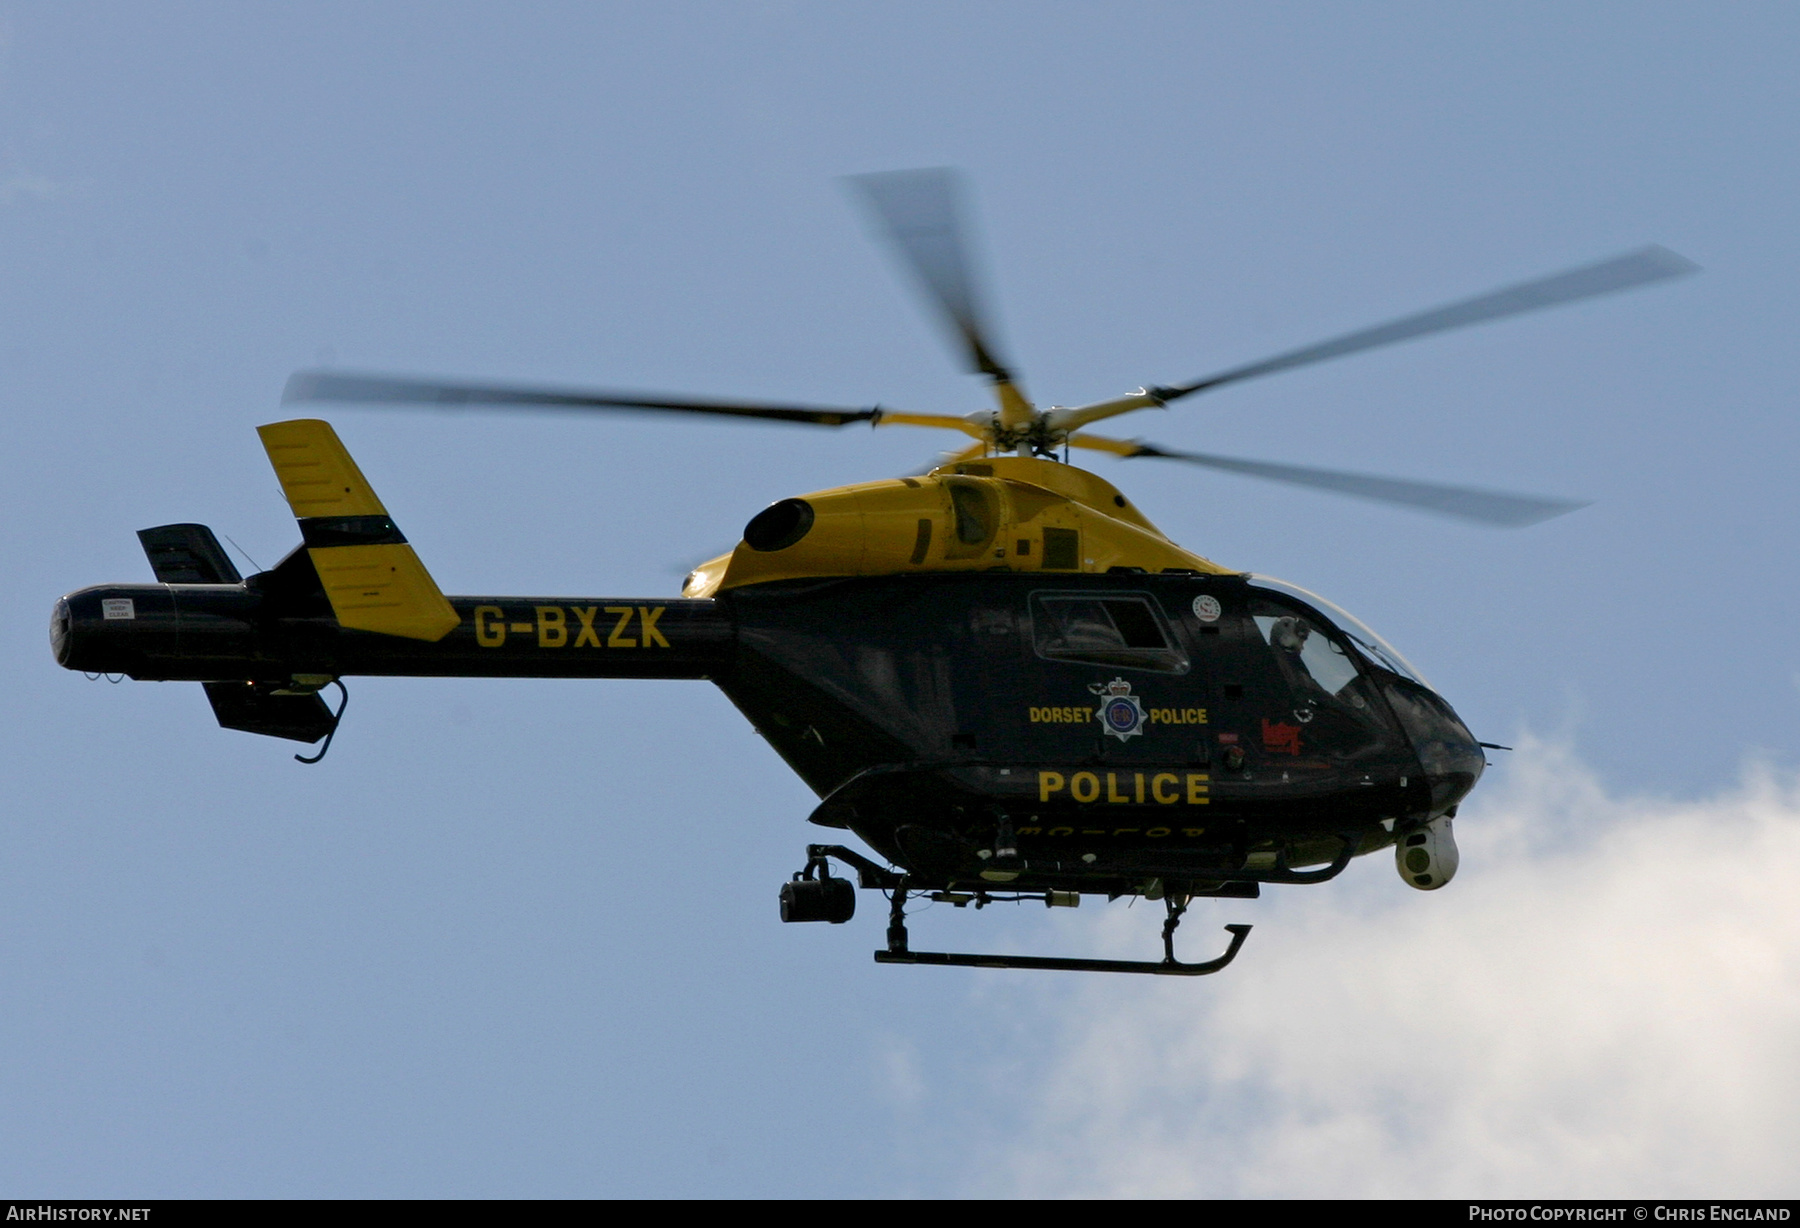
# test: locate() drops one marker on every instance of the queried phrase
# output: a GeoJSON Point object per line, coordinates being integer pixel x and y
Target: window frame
{"type": "Point", "coordinates": [1174, 645]}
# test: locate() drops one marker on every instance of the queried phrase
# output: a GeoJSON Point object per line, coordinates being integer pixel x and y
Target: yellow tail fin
{"type": "Point", "coordinates": [374, 580]}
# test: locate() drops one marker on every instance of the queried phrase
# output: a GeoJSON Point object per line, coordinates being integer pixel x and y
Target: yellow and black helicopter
{"type": "Point", "coordinates": [998, 674]}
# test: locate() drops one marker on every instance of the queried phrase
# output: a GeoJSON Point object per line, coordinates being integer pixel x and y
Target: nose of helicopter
{"type": "Point", "coordinates": [1450, 757]}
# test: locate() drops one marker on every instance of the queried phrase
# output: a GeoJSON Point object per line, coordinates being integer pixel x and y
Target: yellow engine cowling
{"type": "Point", "coordinates": [1007, 513]}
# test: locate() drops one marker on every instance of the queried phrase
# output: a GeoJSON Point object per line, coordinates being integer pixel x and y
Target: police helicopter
{"type": "Point", "coordinates": [998, 675]}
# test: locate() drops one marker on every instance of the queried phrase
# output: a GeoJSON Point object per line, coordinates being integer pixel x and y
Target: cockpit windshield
{"type": "Point", "coordinates": [1320, 656]}
{"type": "Point", "coordinates": [1377, 649]}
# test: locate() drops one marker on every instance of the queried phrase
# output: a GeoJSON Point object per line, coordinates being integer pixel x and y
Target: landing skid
{"type": "Point", "coordinates": [898, 952]}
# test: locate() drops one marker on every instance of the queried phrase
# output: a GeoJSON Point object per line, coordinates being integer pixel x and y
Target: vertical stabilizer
{"type": "Point", "coordinates": [372, 577]}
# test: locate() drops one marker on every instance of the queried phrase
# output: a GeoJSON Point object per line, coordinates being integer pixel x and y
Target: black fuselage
{"type": "Point", "coordinates": [1114, 729]}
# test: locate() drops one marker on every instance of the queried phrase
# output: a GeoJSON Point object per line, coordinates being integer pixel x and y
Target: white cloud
{"type": "Point", "coordinates": [898, 1076]}
{"type": "Point", "coordinates": [1606, 1002]}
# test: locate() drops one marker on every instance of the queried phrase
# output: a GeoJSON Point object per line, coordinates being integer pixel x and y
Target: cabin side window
{"type": "Point", "coordinates": [1122, 629]}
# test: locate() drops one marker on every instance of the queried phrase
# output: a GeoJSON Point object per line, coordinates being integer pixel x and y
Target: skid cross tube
{"type": "Point", "coordinates": [898, 953]}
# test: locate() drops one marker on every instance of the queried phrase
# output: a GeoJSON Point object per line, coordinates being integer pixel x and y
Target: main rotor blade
{"type": "Point", "coordinates": [920, 215]}
{"type": "Point", "coordinates": [972, 452]}
{"type": "Point", "coordinates": [385, 390]}
{"type": "Point", "coordinates": [940, 421]}
{"type": "Point", "coordinates": [1620, 273]}
{"type": "Point", "coordinates": [1469, 503]}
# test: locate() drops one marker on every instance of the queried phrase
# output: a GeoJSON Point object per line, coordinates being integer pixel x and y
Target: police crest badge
{"type": "Point", "coordinates": [1121, 712]}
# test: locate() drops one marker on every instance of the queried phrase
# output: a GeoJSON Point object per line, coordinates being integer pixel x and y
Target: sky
{"type": "Point", "coordinates": [519, 938]}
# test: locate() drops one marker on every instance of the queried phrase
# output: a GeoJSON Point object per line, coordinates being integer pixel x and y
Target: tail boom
{"type": "Point", "coordinates": [220, 632]}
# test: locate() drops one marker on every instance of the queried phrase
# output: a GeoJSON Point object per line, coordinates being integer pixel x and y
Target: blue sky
{"type": "Point", "coordinates": [520, 938]}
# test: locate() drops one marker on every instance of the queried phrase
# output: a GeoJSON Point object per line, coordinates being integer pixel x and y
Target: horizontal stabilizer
{"type": "Point", "coordinates": [187, 554]}
{"type": "Point", "coordinates": [256, 708]}
{"type": "Point", "coordinates": [372, 577]}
